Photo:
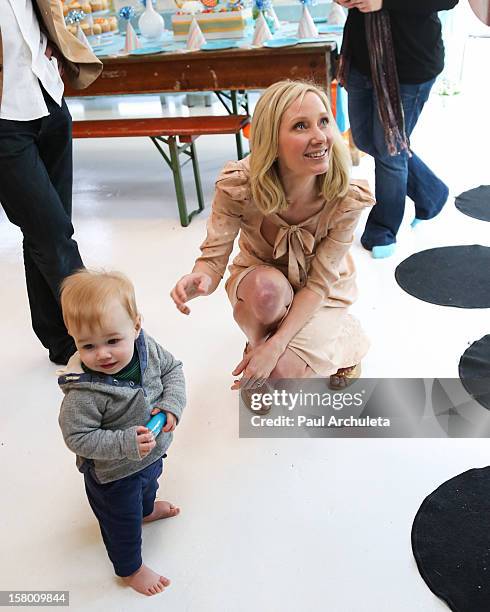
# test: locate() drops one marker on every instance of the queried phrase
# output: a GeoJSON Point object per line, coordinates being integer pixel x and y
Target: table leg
{"type": "Point", "coordinates": [238, 136]}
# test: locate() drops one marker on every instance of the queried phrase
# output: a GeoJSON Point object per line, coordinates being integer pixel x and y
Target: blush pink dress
{"type": "Point", "coordinates": [313, 254]}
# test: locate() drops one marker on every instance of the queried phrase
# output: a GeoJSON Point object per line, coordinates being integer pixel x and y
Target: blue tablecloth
{"type": "Point", "coordinates": [113, 44]}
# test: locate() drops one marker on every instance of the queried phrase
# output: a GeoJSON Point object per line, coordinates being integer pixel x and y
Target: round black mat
{"type": "Point", "coordinates": [448, 276]}
{"type": "Point", "coordinates": [474, 371]}
{"type": "Point", "coordinates": [451, 541]}
{"type": "Point", "coordinates": [475, 202]}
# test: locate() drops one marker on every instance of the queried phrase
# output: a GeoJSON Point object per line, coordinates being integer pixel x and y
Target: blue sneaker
{"type": "Point", "coordinates": [385, 250]}
{"type": "Point", "coordinates": [416, 222]}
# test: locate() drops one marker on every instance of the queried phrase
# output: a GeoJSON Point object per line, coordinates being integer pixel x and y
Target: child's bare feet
{"type": "Point", "coordinates": [161, 510]}
{"type": "Point", "coordinates": [146, 581]}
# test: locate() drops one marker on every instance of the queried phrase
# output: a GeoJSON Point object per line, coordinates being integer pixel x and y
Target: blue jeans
{"type": "Point", "coordinates": [396, 176]}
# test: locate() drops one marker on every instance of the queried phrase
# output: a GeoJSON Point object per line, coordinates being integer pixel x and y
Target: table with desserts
{"type": "Point", "coordinates": [222, 65]}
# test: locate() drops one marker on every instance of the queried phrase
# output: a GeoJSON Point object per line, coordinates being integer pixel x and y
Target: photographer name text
{"type": "Point", "coordinates": [319, 421]}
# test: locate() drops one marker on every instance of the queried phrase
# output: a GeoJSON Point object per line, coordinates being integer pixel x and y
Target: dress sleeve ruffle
{"type": "Point", "coordinates": [325, 267]}
{"type": "Point", "coordinates": [348, 211]}
{"type": "Point", "coordinates": [231, 193]}
{"type": "Point", "coordinates": [358, 197]}
{"type": "Point", "coordinates": [234, 182]}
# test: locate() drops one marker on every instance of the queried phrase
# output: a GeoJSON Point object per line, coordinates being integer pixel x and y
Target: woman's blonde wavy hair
{"type": "Point", "coordinates": [267, 190]}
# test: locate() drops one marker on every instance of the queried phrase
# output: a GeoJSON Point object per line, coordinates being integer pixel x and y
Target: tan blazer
{"type": "Point", "coordinates": [81, 66]}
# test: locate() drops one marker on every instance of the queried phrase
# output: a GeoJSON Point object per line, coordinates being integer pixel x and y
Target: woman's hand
{"type": "Point", "coordinates": [257, 365]}
{"type": "Point", "coordinates": [188, 287]}
{"type": "Point", "coordinates": [52, 51]}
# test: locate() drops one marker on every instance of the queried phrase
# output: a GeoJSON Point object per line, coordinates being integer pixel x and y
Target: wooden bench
{"type": "Point", "coordinates": [178, 133]}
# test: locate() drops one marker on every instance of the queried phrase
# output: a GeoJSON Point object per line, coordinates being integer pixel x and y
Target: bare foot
{"type": "Point", "coordinates": [146, 581]}
{"type": "Point", "coordinates": [161, 510]}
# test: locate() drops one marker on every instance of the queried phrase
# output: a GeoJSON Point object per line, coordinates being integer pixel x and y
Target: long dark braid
{"type": "Point", "coordinates": [384, 75]}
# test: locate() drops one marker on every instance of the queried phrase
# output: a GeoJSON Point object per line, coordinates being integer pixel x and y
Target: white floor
{"type": "Point", "coordinates": [267, 525]}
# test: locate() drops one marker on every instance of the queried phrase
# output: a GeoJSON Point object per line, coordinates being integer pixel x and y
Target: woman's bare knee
{"type": "Point", "coordinates": [266, 293]}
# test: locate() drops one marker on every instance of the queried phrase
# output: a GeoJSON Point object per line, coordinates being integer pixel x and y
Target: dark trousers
{"type": "Point", "coordinates": [36, 193]}
{"type": "Point", "coordinates": [120, 507]}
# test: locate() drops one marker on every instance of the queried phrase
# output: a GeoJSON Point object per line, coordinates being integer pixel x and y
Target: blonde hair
{"type": "Point", "coordinates": [267, 190]}
{"type": "Point", "coordinates": [86, 294]}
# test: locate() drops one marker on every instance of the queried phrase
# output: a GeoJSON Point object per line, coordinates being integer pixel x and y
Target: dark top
{"type": "Point", "coordinates": [417, 39]}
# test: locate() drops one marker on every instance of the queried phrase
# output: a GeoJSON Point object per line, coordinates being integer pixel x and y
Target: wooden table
{"type": "Point", "coordinates": [230, 69]}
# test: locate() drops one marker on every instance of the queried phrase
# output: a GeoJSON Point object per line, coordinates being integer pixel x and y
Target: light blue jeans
{"type": "Point", "coordinates": [396, 176]}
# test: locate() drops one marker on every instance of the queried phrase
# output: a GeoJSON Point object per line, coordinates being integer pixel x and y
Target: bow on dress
{"type": "Point", "coordinates": [297, 242]}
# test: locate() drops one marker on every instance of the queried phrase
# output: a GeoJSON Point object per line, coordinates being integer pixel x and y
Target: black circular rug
{"type": "Point", "coordinates": [475, 202]}
{"type": "Point", "coordinates": [451, 541]}
{"type": "Point", "coordinates": [448, 276]}
{"type": "Point", "coordinates": [474, 371]}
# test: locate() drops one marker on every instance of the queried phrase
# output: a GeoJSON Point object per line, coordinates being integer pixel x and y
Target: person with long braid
{"type": "Point", "coordinates": [391, 54]}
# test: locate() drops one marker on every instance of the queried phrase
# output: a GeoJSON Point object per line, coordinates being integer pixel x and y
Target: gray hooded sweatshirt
{"type": "Point", "coordinates": [99, 414]}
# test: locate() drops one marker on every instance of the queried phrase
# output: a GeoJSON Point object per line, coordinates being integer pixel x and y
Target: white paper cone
{"type": "Point", "coordinates": [82, 38]}
{"type": "Point", "coordinates": [132, 40]}
{"type": "Point", "coordinates": [262, 31]}
{"type": "Point", "coordinates": [195, 38]}
{"type": "Point", "coordinates": [306, 27]}
{"type": "Point", "coordinates": [337, 15]}
{"type": "Point", "coordinates": [273, 14]}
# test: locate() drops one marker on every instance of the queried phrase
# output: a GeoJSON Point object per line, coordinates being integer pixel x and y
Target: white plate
{"type": "Point", "coordinates": [281, 42]}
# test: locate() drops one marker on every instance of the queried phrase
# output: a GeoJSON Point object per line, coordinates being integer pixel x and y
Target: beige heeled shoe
{"type": "Point", "coordinates": [344, 377]}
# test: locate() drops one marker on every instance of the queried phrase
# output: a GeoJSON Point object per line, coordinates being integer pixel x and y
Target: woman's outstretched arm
{"type": "Point", "coordinates": [222, 229]}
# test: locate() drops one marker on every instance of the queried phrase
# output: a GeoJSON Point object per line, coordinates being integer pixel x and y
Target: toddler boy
{"type": "Point", "coordinates": [118, 378]}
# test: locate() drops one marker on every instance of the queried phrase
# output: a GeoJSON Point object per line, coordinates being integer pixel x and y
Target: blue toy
{"type": "Point", "coordinates": [157, 423]}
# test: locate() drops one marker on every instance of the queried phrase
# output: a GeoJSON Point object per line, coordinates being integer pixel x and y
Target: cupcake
{"type": "Point", "coordinates": [86, 28]}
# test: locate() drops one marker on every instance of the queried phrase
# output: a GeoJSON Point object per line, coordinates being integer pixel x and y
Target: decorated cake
{"type": "Point", "coordinates": [216, 21]}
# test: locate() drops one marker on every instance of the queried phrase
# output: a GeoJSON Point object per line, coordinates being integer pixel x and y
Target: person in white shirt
{"type": "Point", "coordinates": [36, 152]}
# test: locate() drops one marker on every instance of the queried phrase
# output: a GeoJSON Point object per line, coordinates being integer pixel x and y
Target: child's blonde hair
{"type": "Point", "coordinates": [267, 190]}
{"type": "Point", "coordinates": [86, 294]}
